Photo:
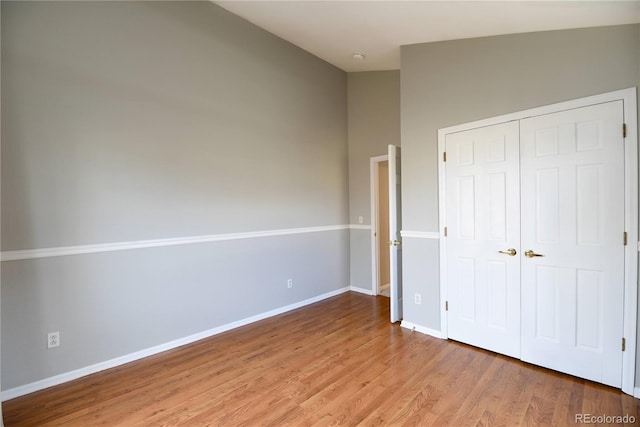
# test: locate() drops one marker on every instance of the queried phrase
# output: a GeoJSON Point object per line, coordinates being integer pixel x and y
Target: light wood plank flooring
{"type": "Point", "coordinates": [337, 362]}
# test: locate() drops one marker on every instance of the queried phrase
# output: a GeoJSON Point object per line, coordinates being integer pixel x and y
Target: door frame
{"type": "Point", "coordinates": [628, 96]}
{"type": "Point", "coordinates": [374, 184]}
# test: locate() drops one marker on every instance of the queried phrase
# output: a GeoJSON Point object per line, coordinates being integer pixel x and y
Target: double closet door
{"type": "Point", "coordinates": [535, 242]}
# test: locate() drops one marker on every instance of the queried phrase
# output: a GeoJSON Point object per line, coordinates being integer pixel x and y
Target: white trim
{"type": "Point", "coordinates": [361, 290]}
{"type": "Point", "coordinates": [121, 246]}
{"type": "Point", "coordinates": [360, 227]}
{"type": "Point", "coordinates": [442, 215]}
{"type": "Point", "coordinates": [630, 314]}
{"type": "Point", "coordinates": [422, 329]}
{"type": "Point", "coordinates": [623, 94]}
{"type": "Point", "coordinates": [636, 392]}
{"type": "Point", "coordinates": [92, 369]}
{"type": "Point", "coordinates": [373, 202]}
{"type": "Point", "coordinates": [420, 234]}
{"type": "Point", "coordinates": [628, 96]}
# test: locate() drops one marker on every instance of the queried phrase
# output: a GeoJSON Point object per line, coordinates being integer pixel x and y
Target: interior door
{"type": "Point", "coordinates": [572, 170]}
{"type": "Point", "coordinates": [483, 237]}
{"type": "Point", "coordinates": [395, 225]}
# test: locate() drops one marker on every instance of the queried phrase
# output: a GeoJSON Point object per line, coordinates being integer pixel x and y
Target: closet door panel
{"type": "Point", "coordinates": [572, 178]}
{"type": "Point", "coordinates": [483, 216]}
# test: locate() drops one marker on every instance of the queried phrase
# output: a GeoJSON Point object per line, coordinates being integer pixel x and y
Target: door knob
{"type": "Point", "coordinates": [394, 243]}
{"type": "Point", "coordinates": [530, 254]}
{"type": "Point", "coordinates": [510, 252]}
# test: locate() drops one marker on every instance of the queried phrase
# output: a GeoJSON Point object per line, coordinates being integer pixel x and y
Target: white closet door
{"type": "Point", "coordinates": [483, 218]}
{"type": "Point", "coordinates": [572, 177]}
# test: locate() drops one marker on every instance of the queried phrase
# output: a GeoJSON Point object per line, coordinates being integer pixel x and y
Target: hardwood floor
{"type": "Point", "coordinates": [337, 362]}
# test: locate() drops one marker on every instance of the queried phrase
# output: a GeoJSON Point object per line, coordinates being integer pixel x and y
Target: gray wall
{"type": "Point", "coordinates": [453, 82]}
{"type": "Point", "coordinates": [374, 123]}
{"type": "Point", "coordinates": [127, 121]}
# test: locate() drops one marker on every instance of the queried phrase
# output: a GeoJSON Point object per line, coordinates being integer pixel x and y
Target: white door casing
{"type": "Point", "coordinates": [572, 179]}
{"type": "Point", "coordinates": [587, 281]}
{"type": "Point", "coordinates": [483, 237]}
{"type": "Point", "coordinates": [395, 225]}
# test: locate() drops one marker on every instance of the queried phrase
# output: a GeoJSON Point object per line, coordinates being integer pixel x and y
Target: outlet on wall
{"type": "Point", "coordinates": [290, 283]}
{"type": "Point", "coordinates": [53, 339]}
{"type": "Point", "coordinates": [417, 298]}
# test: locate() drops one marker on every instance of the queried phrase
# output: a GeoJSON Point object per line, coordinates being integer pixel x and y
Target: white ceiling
{"type": "Point", "coordinates": [335, 30]}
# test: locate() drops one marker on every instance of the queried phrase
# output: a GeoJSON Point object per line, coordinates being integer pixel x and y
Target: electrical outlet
{"type": "Point", "coordinates": [53, 339]}
{"type": "Point", "coordinates": [417, 298]}
{"type": "Point", "coordinates": [290, 283]}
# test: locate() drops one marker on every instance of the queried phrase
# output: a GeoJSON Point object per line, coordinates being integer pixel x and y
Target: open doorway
{"type": "Point", "coordinates": [382, 228]}
{"type": "Point", "coordinates": [380, 221]}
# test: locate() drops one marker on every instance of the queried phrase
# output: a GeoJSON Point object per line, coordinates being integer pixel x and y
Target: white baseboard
{"type": "Point", "coordinates": [636, 392]}
{"type": "Point", "coordinates": [422, 329]}
{"type": "Point", "coordinates": [361, 290]}
{"type": "Point", "coordinates": [92, 369]}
